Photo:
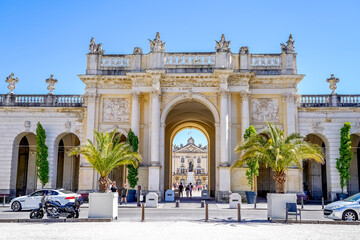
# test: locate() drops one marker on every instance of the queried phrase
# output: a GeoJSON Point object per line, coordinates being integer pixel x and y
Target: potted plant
{"type": "Point", "coordinates": [132, 171]}
{"type": "Point", "coordinates": [253, 167]}
{"type": "Point", "coordinates": [273, 150]}
{"type": "Point", "coordinates": [104, 156]}
{"type": "Point", "coordinates": [343, 162]}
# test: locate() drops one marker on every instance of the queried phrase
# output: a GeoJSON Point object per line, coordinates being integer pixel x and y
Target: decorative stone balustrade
{"type": "Point", "coordinates": [272, 61]}
{"type": "Point", "coordinates": [350, 100]}
{"type": "Point", "coordinates": [175, 59]}
{"type": "Point", "coordinates": [41, 100]}
{"type": "Point", "coordinates": [115, 61]}
{"type": "Point", "coordinates": [333, 100]}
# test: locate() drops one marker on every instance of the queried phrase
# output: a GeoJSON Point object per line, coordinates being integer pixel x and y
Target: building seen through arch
{"type": "Point", "coordinates": [190, 158]}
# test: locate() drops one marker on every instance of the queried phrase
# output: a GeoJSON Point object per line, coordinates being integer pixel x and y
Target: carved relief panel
{"type": "Point", "coordinates": [116, 110]}
{"type": "Point", "coordinates": [265, 109]}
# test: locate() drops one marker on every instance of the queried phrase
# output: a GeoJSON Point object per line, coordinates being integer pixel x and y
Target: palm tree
{"type": "Point", "coordinates": [107, 154]}
{"type": "Point", "coordinates": [279, 153]}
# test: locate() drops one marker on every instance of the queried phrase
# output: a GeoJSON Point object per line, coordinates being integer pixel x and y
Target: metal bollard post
{"type": "Point", "coordinates": [255, 202]}
{"type": "Point", "coordinates": [4, 200]}
{"type": "Point", "coordinates": [143, 212]}
{"type": "Point", "coordinates": [322, 202]}
{"type": "Point", "coordinates": [202, 204]}
{"type": "Point", "coordinates": [177, 203]}
{"type": "Point", "coordinates": [206, 212]}
{"type": "Point", "coordinates": [302, 203]}
{"type": "Point", "coordinates": [239, 212]}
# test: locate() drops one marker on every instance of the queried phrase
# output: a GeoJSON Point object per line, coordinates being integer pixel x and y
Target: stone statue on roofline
{"type": "Point", "coordinates": [222, 45]}
{"type": "Point", "coordinates": [157, 45]}
{"type": "Point", "coordinates": [289, 47]}
{"type": "Point", "coordinates": [95, 48]}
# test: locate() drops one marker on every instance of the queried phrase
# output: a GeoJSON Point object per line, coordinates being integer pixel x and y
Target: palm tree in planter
{"type": "Point", "coordinates": [253, 167]}
{"type": "Point", "coordinates": [273, 150]}
{"type": "Point", "coordinates": [104, 156]}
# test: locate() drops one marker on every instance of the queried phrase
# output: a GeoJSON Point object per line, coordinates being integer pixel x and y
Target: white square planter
{"type": "Point", "coordinates": [276, 203]}
{"type": "Point", "coordinates": [103, 205]}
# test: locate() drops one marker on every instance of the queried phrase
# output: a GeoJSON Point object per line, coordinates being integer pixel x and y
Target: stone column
{"type": "Point", "coordinates": [224, 128]}
{"type": "Point", "coordinates": [154, 169]}
{"type": "Point", "coordinates": [135, 113]}
{"type": "Point", "coordinates": [290, 100]}
{"type": "Point", "coordinates": [245, 115]}
{"type": "Point", "coordinates": [87, 175]}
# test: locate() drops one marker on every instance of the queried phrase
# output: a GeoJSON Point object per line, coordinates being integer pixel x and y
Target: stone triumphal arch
{"type": "Point", "coordinates": [159, 93]}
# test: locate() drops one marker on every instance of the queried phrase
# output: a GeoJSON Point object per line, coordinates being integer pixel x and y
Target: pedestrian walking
{"type": "Point", "coordinates": [113, 187]}
{"type": "Point", "coordinates": [187, 190]}
{"type": "Point", "coordinates": [123, 194]}
{"type": "Point", "coordinates": [181, 188]}
{"type": "Point", "coordinates": [190, 189]}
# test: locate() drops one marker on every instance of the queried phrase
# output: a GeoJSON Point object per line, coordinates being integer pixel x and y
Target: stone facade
{"type": "Point", "coordinates": [160, 93]}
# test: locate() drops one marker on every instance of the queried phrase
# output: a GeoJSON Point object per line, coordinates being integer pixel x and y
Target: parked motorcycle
{"type": "Point", "coordinates": [55, 210]}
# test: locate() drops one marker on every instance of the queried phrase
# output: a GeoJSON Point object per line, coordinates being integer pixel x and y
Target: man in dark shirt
{"type": "Point", "coordinates": [181, 188]}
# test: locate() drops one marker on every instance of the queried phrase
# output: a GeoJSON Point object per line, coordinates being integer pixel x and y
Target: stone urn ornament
{"type": "Point", "coordinates": [332, 81]}
{"type": "Point", "coordinates": [51, 81]}
{"type": "Point", "coordinates": [11, 81]}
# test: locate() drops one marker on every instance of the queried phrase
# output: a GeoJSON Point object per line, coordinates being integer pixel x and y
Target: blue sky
{"type": "Point", "coordinates": [39, 38]}
{"type": "Point", "coordinates": [184, 135]}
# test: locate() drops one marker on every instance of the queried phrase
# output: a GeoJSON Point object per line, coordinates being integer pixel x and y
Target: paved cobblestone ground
{"type": "Point", "coordinates": [176, 230]}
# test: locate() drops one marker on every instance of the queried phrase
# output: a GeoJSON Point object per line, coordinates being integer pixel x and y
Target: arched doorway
{"type": "Point", "coordinates": [265, 182]}
{"type": "Point", "coordinates": [195, 115]}
{"type": "Point", "coordinates": [67, 166]}
{"type": "Point", "coordinates": [119, 173]}
{"type": "Point", "coordinates": [314, 174]}
{"type": "Point", "coordinates": [190, 160]}
{"type": "Point", "coordinates": [25, 154]}
{"type": "Point", "coordinates": [354, 183]}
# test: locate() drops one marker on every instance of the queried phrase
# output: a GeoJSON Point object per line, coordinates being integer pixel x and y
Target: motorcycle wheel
{"type": "Point", "coordinates": [76, 214]}
{"type": "Point", "coordinates": [36, 214]}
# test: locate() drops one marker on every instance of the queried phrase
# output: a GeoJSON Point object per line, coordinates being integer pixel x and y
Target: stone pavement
{"type": "Point", "coordinates": [176, 230]}
{"type": "Point", "coordinates": [188, 211]}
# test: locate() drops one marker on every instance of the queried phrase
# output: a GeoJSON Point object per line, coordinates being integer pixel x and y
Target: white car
{"type": "Point", "coordinates": [347, 209]}
{"type": "Point", "coordinates": [32, 200]}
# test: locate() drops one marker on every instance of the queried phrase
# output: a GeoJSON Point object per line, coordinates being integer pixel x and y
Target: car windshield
{"type": "Point", "coordinates": [65, 191]}
{"type": "Point", "coordinates": [353, 198]}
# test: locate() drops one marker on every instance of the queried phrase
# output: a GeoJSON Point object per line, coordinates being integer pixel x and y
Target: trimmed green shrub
{"type": "Point", "coordinates": [42, 163]}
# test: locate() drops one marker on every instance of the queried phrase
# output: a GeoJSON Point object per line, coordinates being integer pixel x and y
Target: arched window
{"type": "Point", "coordinates": [182, 170]}
{"type": "Point", "coordinates": [198, 170]}
{"type": "Point", "coordinates": [182, 160]}
{"type": "Point", "coordinates": [198, 160]}
{"type": "Point", "coordinates": [198, 181]}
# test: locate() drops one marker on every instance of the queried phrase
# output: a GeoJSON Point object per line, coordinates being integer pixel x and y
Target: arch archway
{"type": "Point", "coordinates": [119, 173]}
{"type": "Point", "coordinates": [24, 180]}
{"type": "Point", "coordinates": [354, 183]}
{"type": "Point", "coordinates": [315, 177]}
{"type": "Point", "coordinates": [197, 113]}
{"type": "Point", "coordinates": [67, 167]}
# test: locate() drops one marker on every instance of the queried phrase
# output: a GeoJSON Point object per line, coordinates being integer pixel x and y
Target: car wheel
{"type": "Point", "coordinates": [349, 215]}
{"type": "Point", "coordinates": [16, 206]}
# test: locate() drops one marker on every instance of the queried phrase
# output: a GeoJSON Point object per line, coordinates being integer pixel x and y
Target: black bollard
{"type": "Point", "coordinates": [322, 202]}
{"type": "Point", "coordinates": [239, 212]}
{"type": "Point", "coordinates": [138, 196]}
{"type": "Point", "coordinates": [202, 204]}
{"type": "Point", "coordinates": [143, 212]}
{"type": "Point", "coordinates": [177, 203]}
{"type": "Point", "coordinates": [206, 212]}
{"type": "Point", "coordinates": [302, 202]}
